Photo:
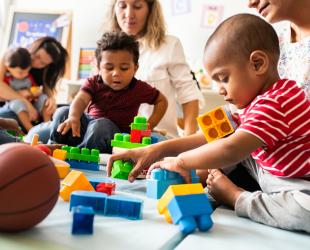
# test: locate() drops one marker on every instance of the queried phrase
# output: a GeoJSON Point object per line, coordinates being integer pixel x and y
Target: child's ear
{"type": "Point", "coordinates": [259, 61]}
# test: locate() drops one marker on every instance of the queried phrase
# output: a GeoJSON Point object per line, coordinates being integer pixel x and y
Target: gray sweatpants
{"type": "Point", "coordinates": [282, 203]}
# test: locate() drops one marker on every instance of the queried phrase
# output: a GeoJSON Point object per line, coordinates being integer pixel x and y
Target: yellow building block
{"type": "Point", "coordinates": [60, 154]}
{"type": "Point", "coordinates": [216, 123]}
{"type": "Point", "coordinates": [75, 180]}
{"type": "Point", "coordinates": [174, 190]}
{"type": "Point", "coordinates": [62, 170]}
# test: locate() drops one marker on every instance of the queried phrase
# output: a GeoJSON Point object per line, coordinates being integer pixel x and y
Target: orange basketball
{"type": "Point", "coordinates": [29, 186]}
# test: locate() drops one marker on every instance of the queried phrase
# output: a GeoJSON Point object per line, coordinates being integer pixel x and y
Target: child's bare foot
{"type": "Point", "coordinates": [222, 189]}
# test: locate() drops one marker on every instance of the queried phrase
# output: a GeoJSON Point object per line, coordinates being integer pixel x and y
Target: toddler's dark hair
{"type": "Point", "coordinates": [17, 57]}
{"type": "Point", "coordinates": [113, 41]}
{"type": "Point", "coordinates": [245, 33]}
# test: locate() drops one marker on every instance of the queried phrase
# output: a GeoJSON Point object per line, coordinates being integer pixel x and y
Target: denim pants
{"type": "Point", "coordinates": [95, 133]}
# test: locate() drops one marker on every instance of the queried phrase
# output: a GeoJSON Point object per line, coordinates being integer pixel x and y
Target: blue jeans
{"type": "Point", "coordinates": [95, 133]}
{"type": "Point", "coordinates": [6, 138]}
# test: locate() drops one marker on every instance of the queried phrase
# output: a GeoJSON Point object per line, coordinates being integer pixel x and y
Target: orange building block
{"type": "Point", "coordinates": [216, 123]}
{"type": "Point", "coordinates": [75, 180]}
{"type": "Point", "coordinates": [175, 190]}
{"type": "Point", "coordinates": [62, 170]}
{"type": "Point", "coordinates": [60, 154]}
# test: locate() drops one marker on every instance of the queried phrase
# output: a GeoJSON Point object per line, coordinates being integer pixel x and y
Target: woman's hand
{"type": "Point", "coordinates": [11, 124]}
{"type": "Point", "coordinates": [70, 123]}
{"type": "Point", "coordinates": [174, 164]}
{"type": "Point", "coordinates": [141, 157]}
{"type": "Point", "coordinates": [50, 105]}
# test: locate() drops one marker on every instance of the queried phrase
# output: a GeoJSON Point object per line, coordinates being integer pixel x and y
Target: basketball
{"type": "Point", "coordinates": [29, 186]}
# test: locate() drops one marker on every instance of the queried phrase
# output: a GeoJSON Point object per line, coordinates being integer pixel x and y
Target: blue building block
{"type": "Point", "coordinates": [121, 206]}
{"type": "Point", "coordinates": [161, 179]}
{"type": "Point", "coordinates": [191, 211]}
{"type": "Point", "coordinates": [96, 200]}
{"type": "Point", "coordinates": [94, 181]}
{"type": "Point", "coordinates": [83, 165]}
{"type": "Point", "coordinates": [83, 219]}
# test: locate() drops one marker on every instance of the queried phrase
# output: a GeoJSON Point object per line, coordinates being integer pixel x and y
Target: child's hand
{"type": "Point", "coordinates": [50, 105]}
{"type": "Point", "coordinates": [33, 113]}
{"type": "Point", "coordinates": [174, 164]}
{"type": "Point", "coordinates": [11, 124]}
{"type": "Point", "coordinates": [26, 94]}
{"type": "Point", "coordinates": [71, 123]}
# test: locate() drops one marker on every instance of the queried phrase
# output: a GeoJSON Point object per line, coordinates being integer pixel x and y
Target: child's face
{"type": "Point", "coordinates": [117, 68]}
{"type": "Point", "coordinates": [236, 80]}
{"type": "Point", "coordinates": [272, 10]}
{"type": "Point", "coordinates": [18, 72]}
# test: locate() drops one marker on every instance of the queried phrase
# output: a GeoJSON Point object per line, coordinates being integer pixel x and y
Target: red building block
{"type": "Point", "coordinates": [108, 188]}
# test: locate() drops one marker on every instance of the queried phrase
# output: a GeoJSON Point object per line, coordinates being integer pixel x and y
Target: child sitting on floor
{"type": "Point", "coordinates": [17, 63]}
{"type": "Point", "coordinates": [112, 98]}
{"type": "Point", "coordinates": [242, 56]}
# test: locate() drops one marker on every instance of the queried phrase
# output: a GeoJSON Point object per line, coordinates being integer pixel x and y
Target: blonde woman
{"type": "Point", "coordinates": [162, 61]}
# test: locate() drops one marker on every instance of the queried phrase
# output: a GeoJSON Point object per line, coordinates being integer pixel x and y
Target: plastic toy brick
{"type": "Point", "coordinates": [94, 181]}
{"type": "Point", "coordinates": [126, 207]}
{"type": "Point", "coordinates": [84, 165]}
{"type": "Point", "coordinates": [84, 154]}
{"type": "Point", "coordinates": [123, 141]}
{"type": "Point", "coordinates": [108, 188]}
{"type": "Point", "coordinates": [161, 179]}
{"type": "Point", "coordinates": [139, 123]}
{"type": "Point", "coordinates": [121, 170]}
{"type": "Point", "coordinates": [60, 154]}
{"type": "Point", "coordinates": [217, 123]}
{"type": "Point", "coordinates": [137, 135]}
{"type": "Point", "coordinates": [95, 200]}
{"type": "Point", "coordinates": [83, 220]}
{"type": "Point", "coordinates": [62, 170]}
{"type": "Point", "coordinates": [75, 180]}
{"type": "Point", "coordinates": [35, 140]}
{"type": "Point", "coordinates": [191, 211]}
{"type": "Point", "coordinates": [175, 190]}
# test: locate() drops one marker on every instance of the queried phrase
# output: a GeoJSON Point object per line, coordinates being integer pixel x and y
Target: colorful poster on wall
{"type": "Point", "coordinates": [211, 15]}
{"type": "Point", "coordinates": [180, 7]}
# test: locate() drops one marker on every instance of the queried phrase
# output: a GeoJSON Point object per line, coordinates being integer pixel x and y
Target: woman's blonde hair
{"type": "Point", "coordinates": [153, 34]}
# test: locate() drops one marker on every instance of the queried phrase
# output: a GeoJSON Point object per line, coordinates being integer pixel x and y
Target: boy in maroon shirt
{"type": "Point", "coordinates": [112, 98]}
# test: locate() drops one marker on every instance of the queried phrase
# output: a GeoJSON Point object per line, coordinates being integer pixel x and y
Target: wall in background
{"type": "Point", "coordinates": [187, 19]}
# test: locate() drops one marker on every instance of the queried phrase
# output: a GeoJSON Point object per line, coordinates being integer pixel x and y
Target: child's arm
{"type": "Point", "coordinates": [218, 154]}
{"type": "Point", "coordinates": [144, 157]}
{"type": "Point", "coordinates": [77, 108]}
{"type": "Point", "coordinates": [160, 107]}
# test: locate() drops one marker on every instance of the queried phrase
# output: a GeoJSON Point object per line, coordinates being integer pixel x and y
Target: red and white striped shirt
{"type": "Point", "coordinates": [280, 117]}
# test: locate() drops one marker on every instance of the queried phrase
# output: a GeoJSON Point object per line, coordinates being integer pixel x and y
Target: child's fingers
{"type": "Point", "coordinates": [76, 130]}
{"type": "Point", "coordinates": [152, 167]}
{"type": "Point", "coordinates": [121, 156]}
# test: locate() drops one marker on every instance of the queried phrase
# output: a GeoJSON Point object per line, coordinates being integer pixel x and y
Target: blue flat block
{"type": "Point", "coordinates": [94, 181]}
{"type": "Point", "coordinates": [184, 208]}
{"type": "Point", "coordinates": [83, 219]}
{"type": "Point", "coordinates": [161, 179]}
{"type": "Point", "coordinates": [96, 200]}
{"type": "Point", "coordinates": [84, 165]}
{"type": "Point", "coordinates": [121, 206]}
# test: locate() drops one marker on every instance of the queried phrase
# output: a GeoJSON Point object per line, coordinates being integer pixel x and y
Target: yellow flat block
{"type": "Point", "coordinates": [215, 124]}
{"type": "Point", "coordinates": [60, 154]}
{"type": "Point", "coordinates": [175, 190]}
{"type": "Point", "coordinates": [62, 170]}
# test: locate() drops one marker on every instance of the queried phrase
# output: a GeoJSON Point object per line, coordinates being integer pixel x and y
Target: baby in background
{"type": "Point", "coordinates": [17, 63]}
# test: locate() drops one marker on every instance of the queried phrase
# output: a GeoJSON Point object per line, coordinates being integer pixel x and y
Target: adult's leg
{"type": "Point", "coordinates": [99, 134]}
{"type": "Point", "coordinates": [42, 129]}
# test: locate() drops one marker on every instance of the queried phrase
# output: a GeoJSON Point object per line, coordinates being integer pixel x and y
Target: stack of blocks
{"type": "Point", "coordinates": [217, 123]}
{"type": "Point", "coordinates": [187, 206]}
{"type": "Point", "coordinates": [161, 179]}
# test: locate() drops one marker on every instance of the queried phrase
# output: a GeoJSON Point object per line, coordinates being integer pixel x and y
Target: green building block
{"type": "Point", "coordinates": [121, 170]}
{"type": "Point", "coordinates": [123, 141]}
{"type": "Point", "coordinates": [84, 154]}
{"type": "Point", "coordinates": [139, 123]}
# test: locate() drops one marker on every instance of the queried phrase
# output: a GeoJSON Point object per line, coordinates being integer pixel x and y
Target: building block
{"type": "Point", "coordinates": [83, 219]}
{"type": "Point", "coordinates": [121, 206]}
{"type": "Point", "coordinates": [108, 188]}
{"type": "Point", "coordinates": [123, 141]}
{"type": "Point", "coordinates": [217, 123]}
{"type": "Point", "coordinates": [176, 190]}
{"type": "Point", "coordinates": [121, 170]}
{"type": "Point", "coordinates": [139, 123]}
{"type": "Point", "coordinates": [60, 154]}
{"type": "Point", "coordinates": [92, 199]}
{"type": "Point", "coordinates": [75, 180]}
{"type": "Point", "coordinates": [161, 179]}
{"type": "Point", "coordinates": [94, 181]}
{"type": "Point", "coordinates": [191, 211]}
{"type": "Point", "coordinates": [84, 165]}
{"type": "Point", "coordinates": [62, 170]}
